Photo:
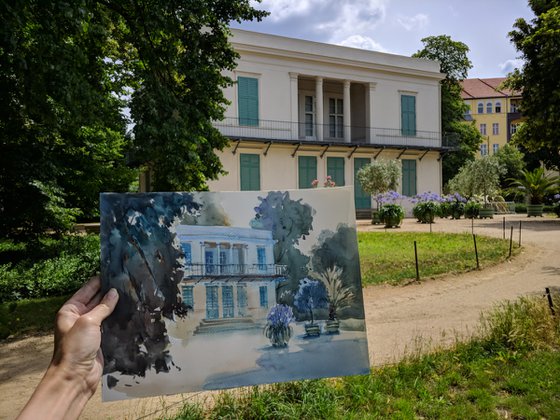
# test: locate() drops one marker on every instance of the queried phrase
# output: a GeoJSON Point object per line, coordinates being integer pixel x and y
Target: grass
{"type": "Point", "coordinates": [388, 257]}
{"type": "Point", "coordinates": [509, 371]}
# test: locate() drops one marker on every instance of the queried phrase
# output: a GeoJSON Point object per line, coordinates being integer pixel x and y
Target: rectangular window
{"type": "Point", "coordinates": [209, 261]}
{"type": "Point", "coordinates": [242, 300]}
{"type": "Point", "coordinates": [489, 107]}
{"type": "Point", "coordinates": [307, 171]}
{"type": "Point", "coordinates": [263, 296]}
{"type": "Point", "coordinates": [409, 177]}
{"type": "Point", "coordinates": [483, 129]}
{"type": "Point", "coordinates": [335, 168]}
{"type": "Point", "coordinates": [212, 305]}
{"type": "Point", "coordinates": [187, 251]}
{"type": "Point", "coordinates": [513, 128]}
{"type": "Point", "coordinates": [498, 107]}
{"type": "Point", "coordinates": [408, 115]}
{"type": "Point", "coordinates": [480, 108]}
{"type": "Point", "coordinates": [309, 116]}
{"type": "Point", "coordinates": [495, 148]}
{"type": "Point", "coordinates": [261, 258]}
{"type": "Point", "coordinates": [483, 149]}
{"type": "Point", "coordinates": [188, 296]}
{"type": "Point", "coordinates": [336, 118]}
{"type": "Point", "coordinates": [248, 100]}
{"type": "Point", "coordinates": [495, 129]}
{"type": "Point", "coordinates": [224, 262]}
{"type": "Point", "coordinates": [249, 172]}
{"type": "Point", "coordinates": [227, 301]}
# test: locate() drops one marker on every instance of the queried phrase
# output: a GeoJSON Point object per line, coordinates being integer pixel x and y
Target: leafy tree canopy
{"type": "Point", "coordinates": [480, 177]}
{"type": "Point", "coordinates": [511, 160]}
{"type": "Point", "coordinates": [538, 41]}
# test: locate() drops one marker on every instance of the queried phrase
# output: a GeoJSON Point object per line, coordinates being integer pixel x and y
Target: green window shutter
{"type": "Point", "coordinates": [362, 200]}
{"type": "Point", "coordinates": [409, 177]}
{"type": "Point", "coordinates": [307, 171]}
{"type": "Point", "coordinates": [248, 100]}
{"type": "Point", "coordinates": [335, 168]}
{"type": "Point", "coordinates": [408, 115]}
{"type": "Point", "coordinates": [250, 172]}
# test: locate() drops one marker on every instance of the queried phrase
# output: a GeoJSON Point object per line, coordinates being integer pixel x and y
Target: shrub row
{"type": "Point", "coordinates": [47, 267]}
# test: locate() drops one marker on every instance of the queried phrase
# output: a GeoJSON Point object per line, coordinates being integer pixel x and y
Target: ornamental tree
{"type": "Point", "coordinates": [380, 176]}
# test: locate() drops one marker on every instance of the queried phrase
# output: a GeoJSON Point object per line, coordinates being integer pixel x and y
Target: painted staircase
{"type": "Point", "coordinates": [211, 326]}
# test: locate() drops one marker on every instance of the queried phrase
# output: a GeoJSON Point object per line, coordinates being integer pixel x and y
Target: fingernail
{"type": "Point", "coordinates": [112, 293]}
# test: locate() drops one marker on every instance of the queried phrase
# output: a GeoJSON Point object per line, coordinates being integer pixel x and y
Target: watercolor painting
{"type": "Point", "coordinates": [227, 289]}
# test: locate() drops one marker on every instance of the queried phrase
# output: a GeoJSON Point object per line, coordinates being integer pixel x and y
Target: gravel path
{"type": "Point", "coordinates": [400, 320]}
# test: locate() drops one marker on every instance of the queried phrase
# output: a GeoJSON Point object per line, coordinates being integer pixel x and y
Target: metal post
{"type": "Point", "coordinates": [416, 259]}
{"type": "Point", "coordinates": [472, 225]}
{"type": "Point", "coordinates": [510, 241]}
{"type": "Point", "coordinates": [520, 233]}
{"type": "Point", "coordinates": [550, 304]}
{"type": "Point", "coordinates": [504, 227]}
{"type": "Point", "coordinates": [476, 252]}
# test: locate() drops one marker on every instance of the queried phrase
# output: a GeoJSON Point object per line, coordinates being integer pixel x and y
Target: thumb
{"type": "Point", "coordinates": [105, 307]}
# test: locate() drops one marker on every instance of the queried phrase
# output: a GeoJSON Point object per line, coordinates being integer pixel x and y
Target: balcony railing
{"type": "Point", "coordinates": [198, 270]}
{"type": "Point", "coordinates": [302, 132]}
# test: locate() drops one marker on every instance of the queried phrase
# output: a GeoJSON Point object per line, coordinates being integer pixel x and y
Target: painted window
{"type": "Point", "coordinates": [495, 129]}
{"type": "Point", "coordinates": [335, 168]}
{"type": "Point", "coordinates": [483, 129]}
{"type": "Point", "coordinates": [224, 268]}
{"type": "Point", "coordinates": [409, 177]}
{"type": "Point", "coordinates": [249, 172]}
{"type": "Point", "coordinates": [242, 300]}
{"type": "Point", "coordinates": [483, 149]}
{"type": "Point", "coordinates": [362, 200]}
{"type": "Point", "coordinates": [248, 100]}
{"type": "Point", "coordinates": [261, 258]}
{"type": "Point", "coordinates": [307, 171]}
{"type": "Point", "coordinates": [498, 107]}
{"type": "Point", "coordinates": [480, 108]}
{"type": "Point", "coordinates": [495, 148]}
{"type": "Point", "coordinates": [489, 107]}
{"type": "Point", "coordinates": [336, 118]}
{"type": "Point", "coordinates": [227, 301]}
{"type": "Point", "coordinates": [408, 115]}
{"type": "Point", "coordinates": [188, 296]}
{"type": "Point", "coordinates": [309, 116]}
{"type": "Point", "coordinates": [263, 296]}
{"type": "Point", "coordinates": [187, 251]}
{"type": "Point", "coordinates": [209, 261]}
{"type": "Point", "coordinates": [212, 304]}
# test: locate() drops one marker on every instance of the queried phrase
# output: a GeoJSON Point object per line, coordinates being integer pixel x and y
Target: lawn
{"type": "Point", "coordinates": [388, 257]}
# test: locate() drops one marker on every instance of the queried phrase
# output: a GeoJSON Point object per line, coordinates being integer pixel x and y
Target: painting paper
{"type": "Point", "coordinates": [227, 289]}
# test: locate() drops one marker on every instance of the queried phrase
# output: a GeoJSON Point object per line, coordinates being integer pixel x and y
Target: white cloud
{"type": "Point", "coordinates": [509, 65]}
{"type": "Point", "coordinates": [415, 22]}
{"type": "Point", "coordinates": [285, 9]}
{"type": "Point", "coordinates": [362, 42]}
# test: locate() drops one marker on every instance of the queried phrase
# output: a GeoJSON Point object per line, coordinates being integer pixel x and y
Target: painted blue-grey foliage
{"type": "Point", "coordinates": [289, 221]}
{"type": "Point", "coordinates": [310, 295]}
{"type": "Point", "coordinates": [140, 259]}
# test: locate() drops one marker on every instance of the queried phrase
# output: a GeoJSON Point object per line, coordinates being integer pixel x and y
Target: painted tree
{"type": "Point", "coordinates": [289, 221]}
{"type": "Point", "coordinates": [140, 257]}
{"type": "Point", "coordinates": [538, 41]}
{"type": "Point", "coordinates": [455, 64]}
{"type": "Point", "coordinates": [311, 295]}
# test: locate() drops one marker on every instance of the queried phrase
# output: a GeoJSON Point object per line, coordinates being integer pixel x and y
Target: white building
{"type": "Point", "coordinates": [304, 110]}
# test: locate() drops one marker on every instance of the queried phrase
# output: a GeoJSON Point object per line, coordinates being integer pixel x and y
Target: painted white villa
{"type": "Point", "coordinates": [229, 276]}
{"type": "Point", "coordinates": [303, 110]}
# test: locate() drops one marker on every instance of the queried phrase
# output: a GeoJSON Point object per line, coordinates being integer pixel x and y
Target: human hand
{"type": "Point", "coordinates": [77, 362]}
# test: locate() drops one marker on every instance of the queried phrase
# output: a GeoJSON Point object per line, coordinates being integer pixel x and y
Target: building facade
{"type": "Point", "coordinates": [494, 109]}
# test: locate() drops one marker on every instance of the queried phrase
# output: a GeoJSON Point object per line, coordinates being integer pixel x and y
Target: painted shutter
{"type": "Point", "coordinates": [250, 174]}
{"type": "Point", "coordinates": [409, 177]}
{"type": "Point", "coordinates": [307, 171]}
{"type": "Point", "coordinates": [362, 200]}
{"type": "Point", "coordinates": [335, 168]}
{"type": "Point", "coordinates": [408, 115]}
{"type": "Point", "coordinates": [248, 100]}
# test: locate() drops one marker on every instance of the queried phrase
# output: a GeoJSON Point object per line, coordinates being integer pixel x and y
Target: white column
{"type": "Point", "coordinates": [370, 135]}
{"type": "Point", "coordinates": [294, 106]}
{"type": "Point", "coordinates": [319, 108]}
{"type": "Point", "coordinates": [346, 108]}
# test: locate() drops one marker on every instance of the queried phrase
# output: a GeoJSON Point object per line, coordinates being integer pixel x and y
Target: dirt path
{"type": "Point", "coordinates": [398, 318]}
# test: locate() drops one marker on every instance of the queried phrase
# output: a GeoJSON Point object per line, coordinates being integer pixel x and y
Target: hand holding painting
{"type": "Point", "coordinates": [75, 370]}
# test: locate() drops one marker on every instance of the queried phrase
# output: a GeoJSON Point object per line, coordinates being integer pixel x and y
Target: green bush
{"type": "Point", "coordinates": [471, 209]}
{"type": "Point", "coordinates": [520, 208]}
{"type": "Point", "coordinates": [47, 267]}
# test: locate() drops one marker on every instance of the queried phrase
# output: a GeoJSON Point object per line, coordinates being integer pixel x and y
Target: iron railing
{"type": "Point", "coordinates": [194, 270]}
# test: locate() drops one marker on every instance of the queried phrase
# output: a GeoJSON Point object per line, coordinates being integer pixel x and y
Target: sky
{"type": "Point", "coordinates": [398, 26]}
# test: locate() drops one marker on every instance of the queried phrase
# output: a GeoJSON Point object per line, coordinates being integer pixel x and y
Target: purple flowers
{"type": "Point", "coordinates": [390, 197]}
{"type": "Point", "coordinates": [280, 315]}
{"type": "Point", "coordinates": [426, 197]}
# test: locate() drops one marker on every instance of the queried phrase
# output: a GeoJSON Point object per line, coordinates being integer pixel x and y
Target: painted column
{"type": "Point", "coordinates": [319, 108]}
{"type": "Point", "coordinates": [370, 134]}
{"type": "Point", "coordinates": [294, 106]}
{"type": "Point", "coordinates": [218, 262]}
{"type": "Point", "coordinates": [346, 109]}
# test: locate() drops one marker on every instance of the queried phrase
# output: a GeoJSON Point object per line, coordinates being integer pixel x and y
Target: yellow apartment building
{"type": "Point", "coordinates": [494, 109]}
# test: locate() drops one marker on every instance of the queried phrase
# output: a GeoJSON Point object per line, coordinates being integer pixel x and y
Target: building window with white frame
{"type": "Point", "coordinates": [483, 149]}
{"type": "Point", "coordinates": [309, 116]}
{"type": "Point", "coordinates": [495, 148]}
{"type": "Point", "coordinates": [480, 108]}
{"type": "Point", "coordinates": [495, 129]}
{"type": "Point", "coordinates": [336, 118]}
{"type": "Point", "coordinates": [498, 107]}
{"type": "Point", "coordinates": [513, 128]}
{"type": "Point", "coordinates": [483, 129]}
{"type": "Point", "coordinates": [489, 107]}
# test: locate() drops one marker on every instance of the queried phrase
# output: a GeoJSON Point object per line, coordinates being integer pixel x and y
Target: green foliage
{"type": "Point", "coordinates": [534, 185]}
{"type": "Point", "coordinates": [380, 176]}
{"type": "Point", "coordinates": [512, 162]}
{"type": "Point", "coordinates": [472, 208]}
{"type": "Point", "coordinates": [455, 63]}
{"type": "Point", "coordinates": [538, 41]}
{"type": "Point", "coordinates": [47, 267]}
{"type": "Point", "coordinates": [426, 211]}
{"type": "Point", "coordinates": [478, 177]}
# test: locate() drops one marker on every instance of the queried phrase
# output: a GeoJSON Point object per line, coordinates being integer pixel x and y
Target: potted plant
{"type": "Point", "coordinates": [311, 295]}
{"type": "Point", "coordinates": [427, 207]}
{"type": "Point", "coordinates": [376, 179]}
{"type": "Point", "coordinates": [278, 329]}
{"type": "Point", "coordinates": [534, 185]}
{"type": "Point", "coordinates": [471, 209]}
{"type": "Point", "coordinates": [390, 212]}
{"type": "Point", "coordinates": [339, 296]}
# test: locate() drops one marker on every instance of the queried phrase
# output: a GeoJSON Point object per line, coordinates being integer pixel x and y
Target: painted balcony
{"type": "Point", "coordinates": [270, 130]}
{"type": "Point", "coordinates": [219, 270]}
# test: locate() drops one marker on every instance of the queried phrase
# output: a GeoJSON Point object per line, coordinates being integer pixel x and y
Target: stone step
{"type": "Point", "coordinates": [210, 326]}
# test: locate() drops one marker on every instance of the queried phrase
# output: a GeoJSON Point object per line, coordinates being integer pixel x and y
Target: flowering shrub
{"type": "Point", "coordinates": [427, 206]}
{"type": "Point", "coordinates": [278, 329]}
{"type": "Point", "coordinates": [391, 212]}
{"type": "Point", "coordinates": [453, 205]}
{"type": "Point", "coordinates": [327, 184]}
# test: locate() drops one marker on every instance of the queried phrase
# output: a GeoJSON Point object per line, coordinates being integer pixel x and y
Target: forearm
{"type": "Point", "coordinates": [59, 395]}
